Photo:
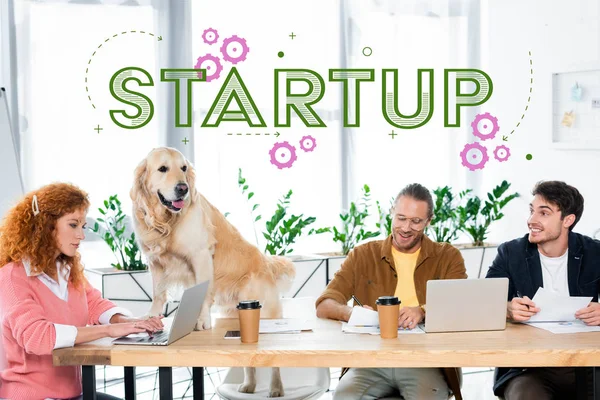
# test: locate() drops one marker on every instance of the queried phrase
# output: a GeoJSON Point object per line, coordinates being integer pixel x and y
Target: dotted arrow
{"type": "Point", "coordinates": [159, 38]}
{"type": "Point", "coordinates": [276, 134]}
{"type": "Point", "coordinates": [505, 138]}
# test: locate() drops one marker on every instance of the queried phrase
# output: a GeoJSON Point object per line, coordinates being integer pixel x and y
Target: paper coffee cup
{"type": "Point", "coordinates": [249, 311]}
{"type": "Point", "coordinates": [388, 308]}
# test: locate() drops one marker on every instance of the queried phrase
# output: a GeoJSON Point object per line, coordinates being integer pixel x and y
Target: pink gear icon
{"type": "Point", "coordinates": [308, 143]}
{"type": "Point", "coordinates": [474, 156]}
{"type": "Point", "coordinates": [235, 54]}
{"type": "Point", "coordinates": [489, 126]}
{"type": "Point", "coordinates": [501, 153]}
{"type": "Point", "coordinates": [210, 72]}
{"type": "Point", "coordinates": [283, 150]}
{"type": "Point", "coordinates": [210, 36]}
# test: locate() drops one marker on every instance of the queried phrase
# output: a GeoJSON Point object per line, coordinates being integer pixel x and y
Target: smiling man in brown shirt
{"type": "Point", "coordinates": [400, 265]}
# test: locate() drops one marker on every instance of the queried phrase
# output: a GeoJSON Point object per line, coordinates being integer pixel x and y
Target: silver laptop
{"type": "Point", "coordinates": [460, 305]}
{"type": "Point", "coordinates": [183, 324]}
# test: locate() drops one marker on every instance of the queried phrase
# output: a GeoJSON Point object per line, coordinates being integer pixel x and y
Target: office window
{"type": "Point", "coordinates": [406, 36]}
{"type": "Point", "coordinates": [56, 41]}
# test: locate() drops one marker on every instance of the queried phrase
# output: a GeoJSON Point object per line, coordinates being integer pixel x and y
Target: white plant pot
{"type": "Point", "coordinates": [313, 273]}
{"type": "Point", "coordinates": [128, 289]}
{"type": "Point", "coordinates": [478, 259]}
{"type": "Point", "coordinates": [310, 275]}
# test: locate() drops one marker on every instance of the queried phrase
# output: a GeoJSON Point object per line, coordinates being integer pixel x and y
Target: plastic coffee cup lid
{"type": "Point", "coordinates": [249, 305]}
{"type": "Point", "coordinates": [387, 301]}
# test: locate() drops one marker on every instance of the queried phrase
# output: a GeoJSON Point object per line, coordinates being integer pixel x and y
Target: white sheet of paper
{"type": "Point", "coordinates": [565, 327]}
{"type": "Point", "coordinates": [556, 308]}
{"type": "Point", "coordinates": [363, 317]}
{"type": "Point", "coordinates": [287, 325]}
{"type": "Point", "coordinates": [347, 328]}
{"type": "Point", "coordinates": [374, 330]}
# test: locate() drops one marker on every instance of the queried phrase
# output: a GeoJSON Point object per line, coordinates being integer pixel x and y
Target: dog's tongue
{"type": "Point", "coordinates": [178, 203]}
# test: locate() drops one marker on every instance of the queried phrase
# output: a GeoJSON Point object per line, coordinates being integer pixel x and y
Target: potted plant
{"type": "Point", "coordinates": [476, 215]}
{"type": "Point", "coordinates": [281, 231]}
{"type": "Point", "coordinates": [353, 230]}
{"type": "Point", "coordinates": [475, 218]}
{"type": "Point", "coordinates": [445, 225]}
{"type": "Point", "coordinates": [113, 232]}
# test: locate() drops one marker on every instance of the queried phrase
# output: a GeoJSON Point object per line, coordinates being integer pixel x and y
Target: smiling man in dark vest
{"type": "Point", "coordinates": [554, 257]}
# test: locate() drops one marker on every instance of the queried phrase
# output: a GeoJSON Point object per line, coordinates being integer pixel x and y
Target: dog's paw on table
{"type": "Point", "coordinates": [203, 324]}
{"type": "Point", "coordinates": [276, 392]}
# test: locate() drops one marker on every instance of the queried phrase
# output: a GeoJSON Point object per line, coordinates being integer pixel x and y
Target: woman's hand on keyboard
{"type": "Point", "coordinates": [127, 328]}
{"type": "Point", "coordinates": [155, 322]}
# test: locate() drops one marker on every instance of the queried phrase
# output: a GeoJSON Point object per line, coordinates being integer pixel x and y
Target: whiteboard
{"type": "Point", "coordinates": [11, 184]}
{"type": "Point", "coordinates": [583, 133]}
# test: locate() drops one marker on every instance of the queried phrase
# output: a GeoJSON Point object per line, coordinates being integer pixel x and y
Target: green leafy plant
{"type": "Point", "coordinates": [125, 249]}
{"type": "Point", "coordinates": [353, 224]}
{"type": "Point", "coordinates": [282, 232]}
{"type": "Point", "coordinates": [282, 229]}
{"type": "Point", "coordinates": [476, 216]}
{"type": "Point", "coordinates": [385, 218]}
{"type": "Point", "coordinates": [445, 225]}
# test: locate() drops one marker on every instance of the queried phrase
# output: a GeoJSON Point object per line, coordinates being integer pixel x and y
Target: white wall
{"type": "Point", "coordinates": [559, 34]}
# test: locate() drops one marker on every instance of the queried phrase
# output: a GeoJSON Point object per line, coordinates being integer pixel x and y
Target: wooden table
{"type": "Point", "coordinates": [326, 346]}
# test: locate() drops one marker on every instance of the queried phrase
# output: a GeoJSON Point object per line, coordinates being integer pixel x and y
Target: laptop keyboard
{"type": "Point", "coordinates": [156, 338]}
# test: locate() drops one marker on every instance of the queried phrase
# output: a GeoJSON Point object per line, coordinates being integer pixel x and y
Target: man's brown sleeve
{"type": "Point", "coordinates": [341, 287]}
{"type": "Point", "coordinates": [456, 265]}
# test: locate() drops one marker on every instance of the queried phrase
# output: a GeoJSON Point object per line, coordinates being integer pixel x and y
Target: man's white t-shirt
{"type": "Point", "coordinates": [554, 273]}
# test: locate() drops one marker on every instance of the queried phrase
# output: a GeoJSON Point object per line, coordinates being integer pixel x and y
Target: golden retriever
{"type": "Point", "coordinates": [187, 241]}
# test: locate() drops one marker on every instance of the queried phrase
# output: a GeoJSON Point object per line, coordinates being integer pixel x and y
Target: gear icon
{"type": "Point", "coordinates": [283, 155]}
{"type": "Point", "coordinates": [474, 156]}
{"type": "Point", "coordinates": [501, 153]}
{"type": "Point", "coordinates": [210, 36]}
{"type": "Point", "coordinates": [211, 64]}
{"type": "Point", "coordinates": [308, 143]}
{"type": "Point", "coordinates": [234, 49]}
{"type": "Point", "coordinates": [485, 126]}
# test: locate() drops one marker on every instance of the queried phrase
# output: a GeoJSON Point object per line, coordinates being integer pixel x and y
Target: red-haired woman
{"type": "Point", "coordinates": [46, 302]}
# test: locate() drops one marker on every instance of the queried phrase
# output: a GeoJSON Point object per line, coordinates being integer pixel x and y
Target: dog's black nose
{"type": "Point", "coordinates": [181, 189]}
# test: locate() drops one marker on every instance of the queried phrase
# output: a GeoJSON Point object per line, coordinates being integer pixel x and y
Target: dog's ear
{"type": "Point", "coordinates": [139, 192]}
{"type": "Point", "coordinates": [139, 180]}
{"type": "Point", "coordinates": [191, 179]}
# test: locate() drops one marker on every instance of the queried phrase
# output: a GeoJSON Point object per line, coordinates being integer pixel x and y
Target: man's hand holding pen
{"type": "Point", "coordinates": [520, 309]}
{"type": "Point", "coordinates": [349, 309]}
{"type": "Point", "coordinates": [361, 304]}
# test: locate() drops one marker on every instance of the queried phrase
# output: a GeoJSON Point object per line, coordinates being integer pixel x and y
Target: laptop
{"type": "Point", "coordinates": [461, 305]}
{"type": "Point", "coordinates": [183, 324]}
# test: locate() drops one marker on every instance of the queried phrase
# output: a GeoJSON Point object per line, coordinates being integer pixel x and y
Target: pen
{"type": "Point", "coordinates": [356, 300]}
{"type": "Point", "coordinates": [519, 296]}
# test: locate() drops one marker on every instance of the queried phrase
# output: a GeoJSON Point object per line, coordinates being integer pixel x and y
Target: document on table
{"type": "Point", "coordinates": [556, 308]}
{"type": "Point", "coordinates": [363, 317]}
{"type": "Point", "coordinates": [374, 330]}
{"type": "Point", "coordinates": [565, 327]}
{"type": "Point", "coordinates": [286, 325]}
